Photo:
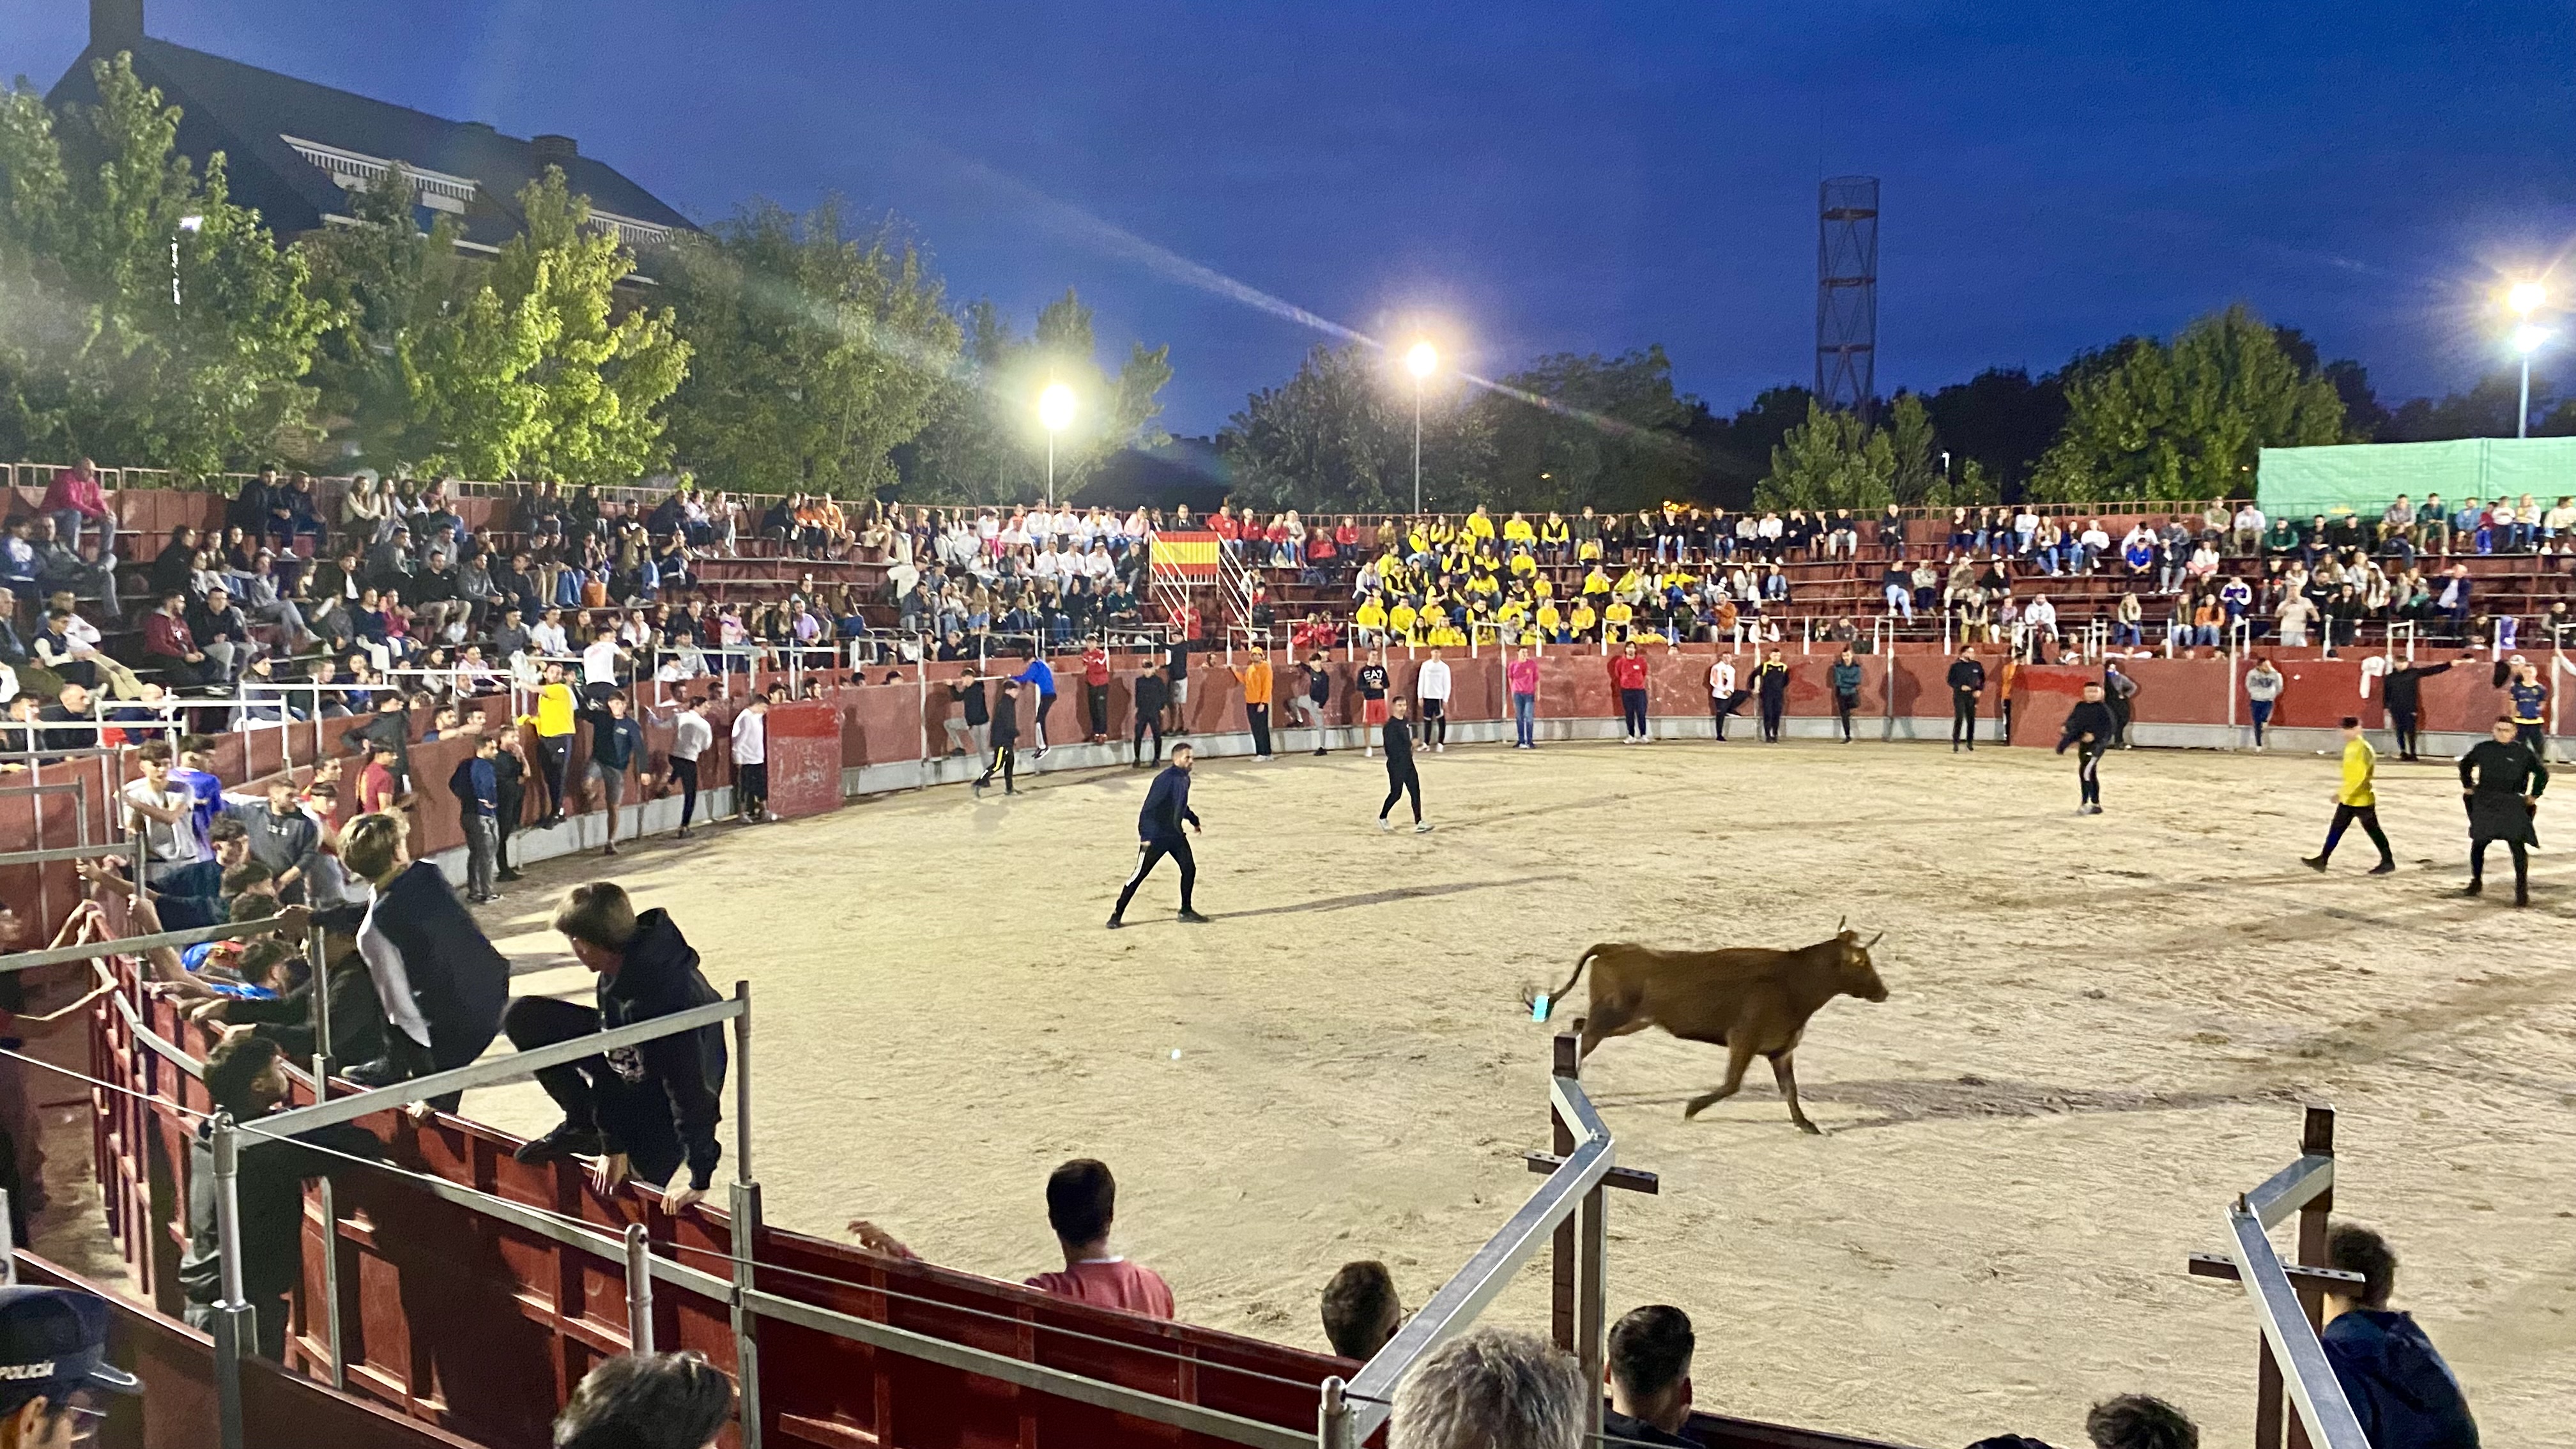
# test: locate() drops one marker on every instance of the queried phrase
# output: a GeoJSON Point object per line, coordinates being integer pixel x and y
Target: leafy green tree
{"type": "Point", "coordinates": [1338, 437]}
{"type": "Point", "coordinates": [1916, 474]}
{"type": "Point", "coordinates": [95, 355]}
{"type": "Point", "coordinates": [2184, 420]}
{"type": "Point", "coordinates": [1570, 430]}
{"type": "Point", "coordinates": [1832, 460]}
{"type": "Point", "coordinates": [985, 444]}
{"type": "Point", "coordinates": [813, 354]}
{"type": "Point", "coordinates": [607, 368]}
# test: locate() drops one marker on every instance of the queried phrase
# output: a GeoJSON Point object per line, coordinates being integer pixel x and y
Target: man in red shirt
{"type": "Point", "coordinates": [1227, 530]}
{"type": "Point", "coordinates": [1095, 689]}
{"type": "Point", "coordinates": [174, 650]}
{"type": "Point", "coordinates": [1628, 676]}
{"type": "Point", "coordinates": [377, 789]}
{"type": "Point", "coordinates": [1082, 1203]}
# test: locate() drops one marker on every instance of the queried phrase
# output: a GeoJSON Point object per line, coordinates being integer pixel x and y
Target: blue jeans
{"type": "Point", "coordinates": [1525, 719]}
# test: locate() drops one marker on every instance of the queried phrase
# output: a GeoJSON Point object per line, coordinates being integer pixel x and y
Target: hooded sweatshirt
{"type": "Point", "coordinates": [659, 976]}
{"type": "Point", "coordinates": [2404, 1395]}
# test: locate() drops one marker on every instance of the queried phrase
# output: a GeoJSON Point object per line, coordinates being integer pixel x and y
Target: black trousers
{"type": "Point", "coordinates": [2521, 864]}
{"type": "Point", "coordinates": [1147, 720]}
{"type": "Point", "coordinates": [1720, 707]}
{"type": "Point", "coordinates": [1963, 718]}
{"type": "Point", "coordinates": [635, 1115]}
{"type": "Point", "coordinates": [1046, 702]}
{"type": "Point", "coordinates": [1400, 783]}
{"type": "Point", "coordinates": [1773, 705]}
{"type": "Point", "coordinates": [2088, 770]}
{"type": "Point", "coordinates": [1148, 856]}
{"type": "Point", "coordinates": [1095, 697]}
{"type": "Point", "coordinates": [1844, 704]}
{"type": "Point", "coordinates": [1435, 721]}
{"type": "Point", "coordinates": [511, 803]}
{"type": "Point", "coordinates": [686, 772]}
{"type": "Point", "coordinates": [1006, 758]}
{"type": "Point", "coordinates": [751, 788]}
{"type": "Point", "coordinates": [2402, 719]}
{"type": "Point", "coordinates": [1632, 708]}
{"type": "Point", "coordinates": [554, 758]}
{"type": "Point", "coordinates": [1258, 716]}
{"type": "Point", "coordinates": [2344, 816]}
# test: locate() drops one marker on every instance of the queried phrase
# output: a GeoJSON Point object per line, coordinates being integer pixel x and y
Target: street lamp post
{"type": "Point", "coordinates": [1422, 361]}
{"type": "Point", "coordinates": [2526, 298]}
{"type": "Point", "coordinates": [1055, 409]}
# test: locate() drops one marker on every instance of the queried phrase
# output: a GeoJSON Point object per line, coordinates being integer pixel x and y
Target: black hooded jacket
{"type": "Point", "coordinates": [2399, 1387]}
{"type": "Point", "coordinates": [660, 977]}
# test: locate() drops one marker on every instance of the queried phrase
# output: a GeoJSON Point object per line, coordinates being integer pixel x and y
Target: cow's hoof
{"type": "Point", "coordinates": [1811, 1129]}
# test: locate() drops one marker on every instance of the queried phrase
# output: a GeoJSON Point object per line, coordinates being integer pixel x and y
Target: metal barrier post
{"type": "Point", "coordinates": [1563, 1285]}
{"type": "Point", "coordinates": [745, 1229]}
{"type": "Point", "coordinates": [1333, 1417]}
{"type": "Point", "coordinates": [331, 1330]}
{"type": "Point", "coordinates": [639, 1290]}
{"type": "Point", "coordinates": [9, 1246]}
{"type": "Point", "coordinates": [232, 1312]}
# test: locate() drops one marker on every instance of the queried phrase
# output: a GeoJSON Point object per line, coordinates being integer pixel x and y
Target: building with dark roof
{"type": "Point", "coordinates": [294, 149]}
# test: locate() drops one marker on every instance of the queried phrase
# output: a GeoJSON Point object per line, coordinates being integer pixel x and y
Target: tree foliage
{"type": "Point", "coordinates": [95, 356]}
{"type": "Point", "coordinates": [1572, 430]}
{"type": "Point", "coordinates": [1338, 437]}
{"type": "Point", "coordinates": [984, 443]}
{"type": "Point", "coordinates": [1832, 460]}
{"type": "Point", "coordinates": [814, 353]}
{"type": "Point", "coordinates": [2185, 419]}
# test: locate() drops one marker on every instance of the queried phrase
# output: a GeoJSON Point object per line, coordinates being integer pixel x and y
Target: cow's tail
{"type": "Point", "coordinates": [1541, 1007]}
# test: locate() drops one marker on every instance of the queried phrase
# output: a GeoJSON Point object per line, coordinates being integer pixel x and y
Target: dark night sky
{"type": "Point", "coordinates": [1555, 177]}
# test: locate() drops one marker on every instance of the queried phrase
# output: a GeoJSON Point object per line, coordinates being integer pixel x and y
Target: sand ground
{"type": "Point", "coordinates": [2100, 1031]}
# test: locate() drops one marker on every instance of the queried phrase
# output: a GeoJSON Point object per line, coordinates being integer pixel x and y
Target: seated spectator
{"type": "Point", "coordinates": [244, 1078]}
{"type": "Point", "coordinates": [1650, 1384]}
{"type": "Point", "coordinates": [53, 1365]}
{"type": "Point", "coordinates": [1361, 1311]}
{"type": "Point", "coordinates": [171, 648]}
{"type": "Point", "coordinates": [2131, 1421]}
{"type": "Point", "coordinates": [1490, 1388]}
{"type": "Point", "coordinates": [647, 1401]}
{"type": "Point", "coordinates": [654, 1109]}
{"type": "Point", "coordinates": [2404, 1394]}
{"type": "Point", "coordinates": [1082, 1204]}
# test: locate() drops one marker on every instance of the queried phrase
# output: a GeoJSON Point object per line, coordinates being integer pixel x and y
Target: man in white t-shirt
{"type": "Point", "coordinates": [690, 737]}
{"type": "Point", "coordinates": [751, 760]}
{"type": "Point", "coordinates": [1431, 685]}
{"type": "Point", "coordinates": [163, 812]}
{"type": "Point", "coordinates": [599, 662]}
{"type": "Point", "coordinates": [1723, 697]}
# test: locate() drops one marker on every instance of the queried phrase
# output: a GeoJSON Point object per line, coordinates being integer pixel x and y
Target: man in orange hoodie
{"type": "Point", "coordinates": [1255, 678]}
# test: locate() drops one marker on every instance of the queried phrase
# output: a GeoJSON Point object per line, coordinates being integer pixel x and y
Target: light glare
{"type": "Point", "coordinates": [2528, 340]}
{"type": "Point", "coordinates": [1055, 406]}
{"type": "Point", "coordinates": [1423, 360]}
{"type": "Point", "coordinates": [2526, 298]}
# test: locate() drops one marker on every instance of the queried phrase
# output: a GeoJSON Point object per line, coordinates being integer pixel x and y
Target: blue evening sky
{"type": "Point", "coordinates": [1556, 177]}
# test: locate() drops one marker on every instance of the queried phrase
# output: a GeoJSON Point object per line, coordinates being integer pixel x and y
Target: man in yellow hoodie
{"type": "Point", "coordinates": [554, 722]}
{"type": "Point", "coordinates": [1255, 678]}
{"type": "Point", "coordinates": [2355, 800]}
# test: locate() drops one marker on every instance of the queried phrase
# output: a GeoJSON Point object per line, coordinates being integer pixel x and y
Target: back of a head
{"type": "Point", "coordinates": [1650, 1349]}
{"type": "Point", "coordinates": [598, 912]}
{"type": "Point", "coordinates": [2138, 1421]}
{"type": "Point", "coordinates": [2352, 1248]}
{"type": "Point", "coordinates": [1489, 1389]}
{"type": "Point", "coordinates": [1358, 1303]}
{"type": "Point", "coordinates": [1082, 1200]}
{"type": "Point", "coordinates": [646, 1401]}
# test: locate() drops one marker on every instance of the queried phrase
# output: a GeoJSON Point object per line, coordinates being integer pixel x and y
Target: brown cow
{"type": "Point", "coordinates": [1752, 1000]}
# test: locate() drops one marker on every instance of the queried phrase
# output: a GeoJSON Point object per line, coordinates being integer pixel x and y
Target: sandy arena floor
{"type": "Point", "coordinates": [2100, 1031]}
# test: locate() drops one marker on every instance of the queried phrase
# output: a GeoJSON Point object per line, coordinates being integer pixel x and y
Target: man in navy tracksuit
{"type": "Point", "coordinates": [1158, 834]}
{"type": "Point", "coordinates": [2400, 1389]}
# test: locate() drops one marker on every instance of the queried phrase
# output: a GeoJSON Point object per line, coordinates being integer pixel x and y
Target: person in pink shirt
{"type": "Point", "coordinates": [75, 497]}
{"type": "Point", "coordinates": [1082, 1203]}
{"type": "Point", "coordinates": [1521, 678]}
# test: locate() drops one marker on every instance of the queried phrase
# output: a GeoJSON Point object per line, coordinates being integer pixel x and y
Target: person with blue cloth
{"type": "Point", "coordinates": [615, 741]}
{"type": "Point", "coordinates": [1158, 834]}
{"type": "Point", "coordinates": [476, 784]}
{"type": "Point", "coordinates": [2398, 1385]}
{"type": "Point", "coordinates": [1038, 673]}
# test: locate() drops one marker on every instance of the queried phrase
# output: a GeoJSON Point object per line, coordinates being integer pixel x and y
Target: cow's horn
{"type": "Point", "coordinates": [1839, 923]}
{"type": "Point", "coordinates": [1874, 940]}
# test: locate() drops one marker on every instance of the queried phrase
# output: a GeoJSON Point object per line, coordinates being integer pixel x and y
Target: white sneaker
{"type": "Point", "coordinates": [1421, 827]}
{"type": "Point", "coordinates": [1385, 824]}
{"type": "Point", "coordinates": [1439, 749]}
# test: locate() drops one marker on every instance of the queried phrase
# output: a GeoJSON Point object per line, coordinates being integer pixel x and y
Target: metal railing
{"type": "Point", "coordinates": [2289, 1300]}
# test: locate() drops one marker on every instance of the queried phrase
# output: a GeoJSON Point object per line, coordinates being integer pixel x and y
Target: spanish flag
{"type": "Point", "coordinates": [1192, 555]}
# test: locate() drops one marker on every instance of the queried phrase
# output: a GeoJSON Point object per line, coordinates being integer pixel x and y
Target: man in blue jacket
{"type": "Point", "coordinates": [1158, 834]}
{"type": "Point", "coordinates": [648, 1110]}
{"type": "Point", "coordinates": [2404, 1394]}
{"type": "Point", "coordinates": [1041, 675]}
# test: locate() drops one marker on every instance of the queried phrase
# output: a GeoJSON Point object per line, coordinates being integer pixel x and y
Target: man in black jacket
{"type": "Point", "coordinates": [649, 1109]}
{"type": "Point", "coordinates": [1771, 683]}
{"type": "Point", "coordinates": [1152, 694]}
{"type": "Point", "coordinates": [1006, 739]}
{"type": "Point", "coordinates": [1158, 834]}
{"type": "Point", "coordinates": [1967, 681]}
{"type": "Point", "coordinates": [2501, 780]}
{"type": "Point", "coordinates": [2399, 1387]}
{"type": "Point", "coordinates": [242, 1076]}
{"type": "Point", "coordinates": [1401, 777]}
{"type": "Point", "coordinates": [2090, 728]}
{"type": "Point", "coordinates": [2404, 699]}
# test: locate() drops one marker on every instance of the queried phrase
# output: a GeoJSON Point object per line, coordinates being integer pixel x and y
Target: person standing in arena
{"type": "Point", "coordinates": [1158, 834]}
{"type": "Point", "coordinates": [1520, 680]}
{"type": "Point", "coordinates": [2089, 728]}
{"type": "Point", "coordinates": [510, 786]}
{"type": "Point", "coordinates": [1371, 680]}
{"type": "Point", "coordinates": [1628, 678]}
{"type": "Point", "coordinates": [2530, 700]}
{"type": "Point", "coordinates": [1318, 693]}
{"type": "Point", "coordinates": [1006, 739]}
{"type": "Point", "coordinates": [554, 725]}
{"type": "Point", "coordinates": [2007, 684]}
{"type": "Point", "coordinates": [690, 736]}
{"type": "Point", "coordinates": [1256, 682]}
{"type": "Point", "coordinates": [477, 788]}
{"type": "Point", "coordinates": [1431, 682]}
{"type": "Point", "coordinates": [2120, 692]}
{"type": "Point", "coordinates": [1095, 690]}
{"type": "Point", "coordinates": [1153, 692]}
{"type": "Point", "coordinates": [2356, 800]}
{"type": "Point", "coordinates": [1401, 778]}
{"type": "Point", "coordinates": [1771, 683]}
{"type": "Point", "coordinates": [751, 760]}
{"type": "Point", "coordinates": [1723, 697]}
{"type": "Point", "coordinates": [1967, 681]}
{"type": "Point", "coordinates": [2405, 698]}
{"type": "Point", "coordinates": [1846, 682]}
{"type": "Point", "coordinates": [2502, 780]}
{"type": "Point", "coordinates": [2263, 685]}
{"type": "Point", "coordinates": [615, 742]}
{"type": "Point", "coordinates": [1176, 672]}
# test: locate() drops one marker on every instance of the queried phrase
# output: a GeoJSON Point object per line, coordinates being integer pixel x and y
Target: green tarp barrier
{"type": "Point", "coordinates": [2362, 478]}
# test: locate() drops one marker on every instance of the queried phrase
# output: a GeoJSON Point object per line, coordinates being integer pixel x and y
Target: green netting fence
{"type": "Point", "coordinates": [2364, 477]}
